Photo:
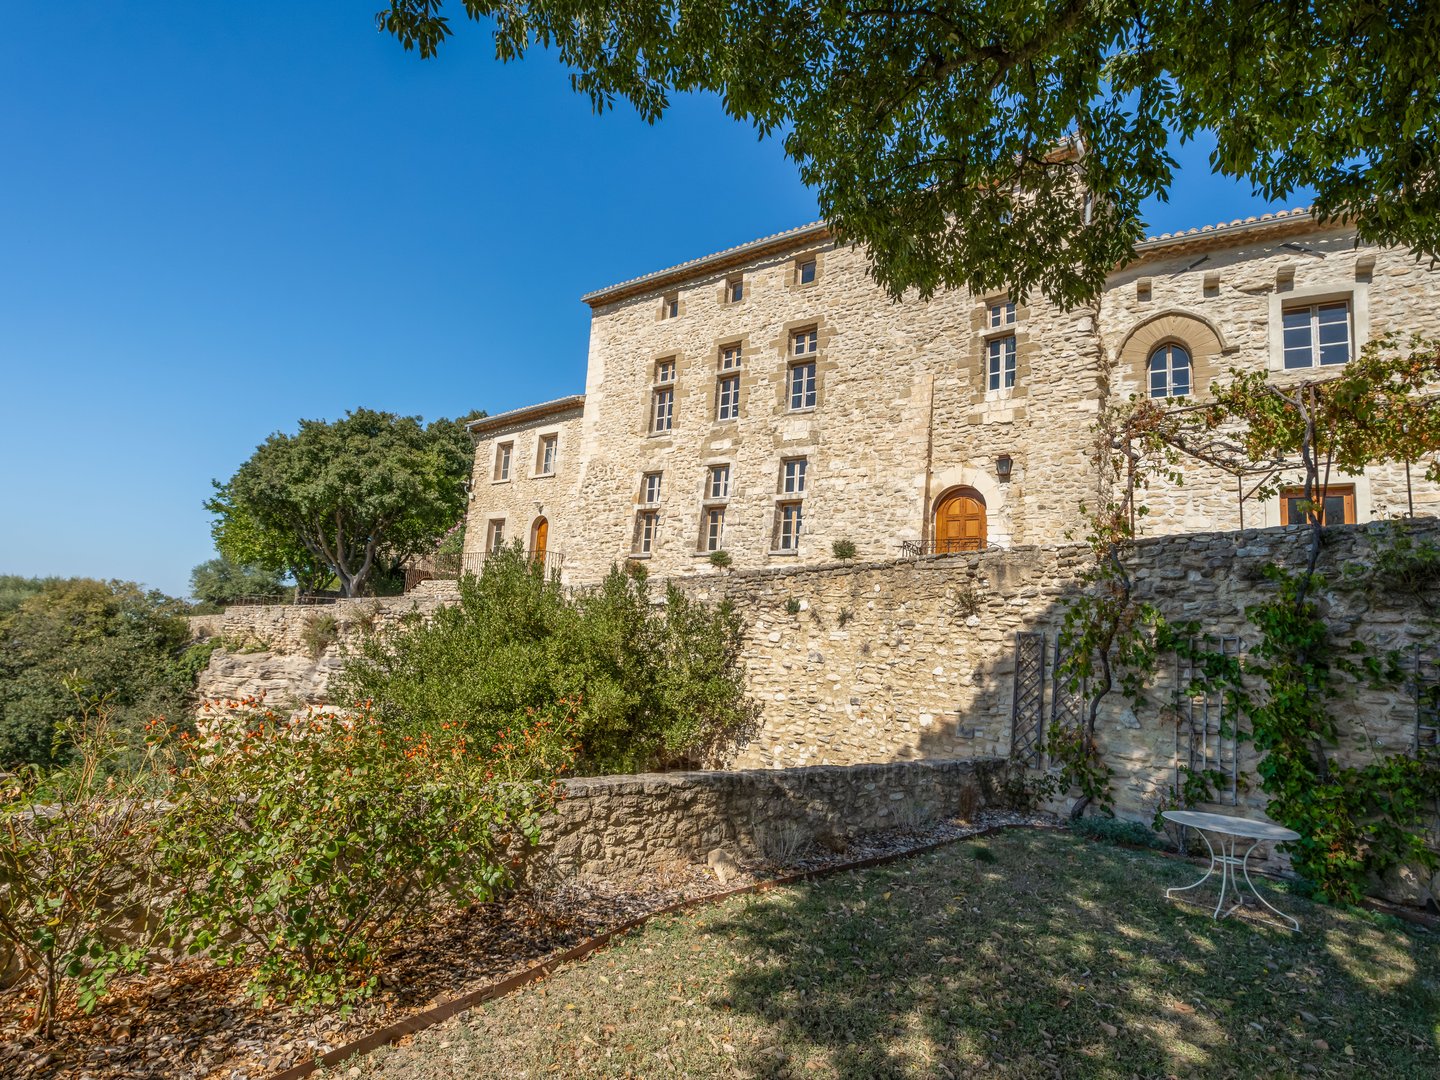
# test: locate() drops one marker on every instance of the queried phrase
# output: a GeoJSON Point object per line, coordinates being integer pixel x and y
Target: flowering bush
{"type": "Point", "coordinates": [307, 844]}
{"type": "Point", "coordinates": [75, 847]}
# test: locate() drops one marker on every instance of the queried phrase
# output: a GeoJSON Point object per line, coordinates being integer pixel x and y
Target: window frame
{"type": "Point", "coordinates": [547, 457]}
{"type": "Point", "coordinates": [1000, 315]}
{"type": "Point", "coordinates": [813, 263]}
{"type": "Point", "coordinates": [1002, 369]}
{"type": "Point", "coordinates": [789, 526]}
{"type": "Point", "coordinates": [717, 482]}
{"type": "Point", "coordinates": [806, 375]}
{"type": "Point", "coordinates": [727, 397]}
{"type": "Point", "coordinates": [1170, 345]}
{"type": "Point", "coordinates": [712, 529]}
{"type": "Point", "coordinates": [1312, 308]}
{"type": "Point", "coordinates": [650, 487]}
{"type": "Point", "coordinates": [735, 289]}
{"type": "Point", "coordinates": [1345, 492]}
{"type": "Point", "coordinates": [798, 476]}
{"type": "Point", "coordinates": [504, 457]}
{"type": "Point", "coordinates": [662, 403]}
{"type": "Point", "coordinates": [647, 533]}
{"type": "Point", "coordinates": [494, 535]}
{"type": "Point", "coordinates": [670, 306]}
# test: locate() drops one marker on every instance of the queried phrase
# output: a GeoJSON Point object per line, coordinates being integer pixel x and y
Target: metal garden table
{"type": "Point", "coordinates": [1229, 833]}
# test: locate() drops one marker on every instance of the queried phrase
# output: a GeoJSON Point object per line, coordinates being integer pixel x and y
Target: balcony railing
{"type": "Point", "coordinates": [914, 549]}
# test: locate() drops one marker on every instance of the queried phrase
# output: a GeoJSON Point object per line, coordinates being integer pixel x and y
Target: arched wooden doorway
{"type": "Point", "coordinates": [960, 521]}
{"type": "Point", "coordinates": [539, 537]}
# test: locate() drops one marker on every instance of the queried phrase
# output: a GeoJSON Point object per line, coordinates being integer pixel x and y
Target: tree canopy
{"type": "Point", "coordinates": [63, 639]}
{"type": "Point", "coordinates": [223, 581]}
{"type": "Point", "coordinates": [937, 135]}
{"type": "Point", "coordinates": [345, 495]}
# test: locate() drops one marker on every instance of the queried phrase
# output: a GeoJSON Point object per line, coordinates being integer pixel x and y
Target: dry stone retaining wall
{"type": "Point", "coordinates": [613, 826]}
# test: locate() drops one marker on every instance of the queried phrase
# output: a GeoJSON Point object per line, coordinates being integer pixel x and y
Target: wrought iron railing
{"type": "Point", "coordinates": [271, 599]}
{"type": "Point", "coordinates": [914, 549]}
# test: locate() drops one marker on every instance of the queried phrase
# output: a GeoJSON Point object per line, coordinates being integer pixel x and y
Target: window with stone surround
{"type": "Point", "coordinates": [545, 459]}
{"type": "Point", "coordinates": [792, 476]}
{"type": "Point", "coordinates": [662, 403]}
{"type": "Point", "coordinates": [495, 535]}
{"type": "Point", "coordinates": [804, 347]}
{"type": "Point", "coordinates": [805, 271]}
{"type": "Point", "coordinates": [788, 525]}
{"type": "Point", "coordinates": [647, 528]}
{"type": "Point", "coordinates": [735, 290]}
{"type": "Point", "coordinates": [503, 452]}
{"type": "Point", "coordinates": [727, 384]}
{"type": "Point", "coordinates": [1002, 314]}
{"type": "Point", "coordinates": [712, 528]}
{"type": "Point", "coordinates": [1170, 371]}
{"type": "Point", "coordinates": [1335, 505]}
{"type": "Point", "coordinates": [717, 483]}
{"type": "Point", "coordinates": [650, 488]}
{"type": "Point", "coordinates": [670, 306]}
{"type": "Point", "coordinates": [1316, 335]}
{"type": "Point", "coordinates": [1000, 363]}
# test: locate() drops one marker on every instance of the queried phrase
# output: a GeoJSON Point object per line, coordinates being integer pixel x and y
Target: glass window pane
{"type": "Point", "coordinates": [1292, 319]}
{"type": "Point", "coordinates": [1298, 358]}
{"type": "Point", "coordinates": [1335, 354]}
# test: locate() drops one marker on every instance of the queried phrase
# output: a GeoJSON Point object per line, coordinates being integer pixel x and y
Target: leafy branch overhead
{"type": "Point", "coordinates": [940, 136]}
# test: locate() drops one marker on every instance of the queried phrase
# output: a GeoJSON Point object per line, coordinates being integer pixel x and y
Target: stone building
{"type": "Point", "coordinates": [770, 401]}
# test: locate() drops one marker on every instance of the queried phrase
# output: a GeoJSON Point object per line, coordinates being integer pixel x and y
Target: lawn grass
{"type": "Point", "coordinates": [1027, 954]}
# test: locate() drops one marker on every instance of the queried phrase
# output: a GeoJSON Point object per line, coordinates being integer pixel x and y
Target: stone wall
{"type": "Point", "coordinates": [271, 650]}
{"type": "Point", "coordinates": [910, 660]}
{"type": "Point", "coordinates": [614, 826]}
{"type": "Point", "coordinates": [904, 411]}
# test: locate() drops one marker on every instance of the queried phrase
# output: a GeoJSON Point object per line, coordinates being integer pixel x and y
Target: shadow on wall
{"type": "Point", "coordinates": [913, 660]}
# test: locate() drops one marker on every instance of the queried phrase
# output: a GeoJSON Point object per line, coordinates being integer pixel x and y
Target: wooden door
{"type": "Point", "coordinates": [960, 522]}
{"type": "Point", "coordinates": [541, 536]}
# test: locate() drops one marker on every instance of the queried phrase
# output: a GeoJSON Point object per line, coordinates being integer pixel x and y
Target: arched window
{"type": "Point", "coordinates": [1170, 371]}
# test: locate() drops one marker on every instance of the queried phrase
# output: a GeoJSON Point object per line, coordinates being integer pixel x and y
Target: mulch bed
{"type": "Point", "coordinates": [195, 1021]}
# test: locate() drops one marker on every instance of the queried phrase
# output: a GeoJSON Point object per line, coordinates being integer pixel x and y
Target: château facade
{"type": "Point", "coordinates": [771, 400]}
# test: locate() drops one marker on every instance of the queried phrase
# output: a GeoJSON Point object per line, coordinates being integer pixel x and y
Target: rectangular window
{"type": "Point", "coordinates": [712, 529]}
{"type": "Point", "coordinates": [802, 386]}
{"type": "Point", "coordinates": [1001, 362]}
{"type": "Point", "coordinates": [647, 524]}
{"type": "Point", "coordinates": [1318, 335]}
{"type": "Point", "coordinates": [650, 488]}
{"type": "Point", "coordinates": [806, 272]}
{"type": "Point", "coordinates": [1002, 314]}
{"type": "Point", "coordinates": [547, 455]}
{"type": "Point", "coordinates": [670, 306]}
{"type": "Point", "coordinates": [663, 412]}
{"type": "Point", "coordinates": [1335, 507]}
{"type": "Point", "coordinates": [735, 290]}
{"type": "Point", "coordinates": [805, 342]}
{"type": "Point", "coordinates": [788, 532]}
{"type": "Point", "coordinates": [665, 371]}
{"type": "Point", "coordinates": [495, 535]}
{"type": "Point", "coordinates": [718, 484]}
{"type": "Point", "coordinates": [502, 460]}
{"type": "Point", "coordinates": [727, 398]}
{"type": "Point", "coordinates": [730, 358]}
{"type": "Point", "coordinates": [792, 476]}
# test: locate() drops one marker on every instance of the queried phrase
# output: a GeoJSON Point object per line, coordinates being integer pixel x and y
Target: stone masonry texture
{"type": "Point", "coordinates": [904, 412]}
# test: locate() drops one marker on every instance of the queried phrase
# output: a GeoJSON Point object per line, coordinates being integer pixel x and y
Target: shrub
{"type": "Point", "coordinates": [1012, 787]}
{"type": "Point", "coordinates": [720, 559]}
{"type": "Point", "coordinates": [792, 606]}
{"type": "Point", "coordinates": [843, 549]}
{"type": "Point", "coordinates": [309, 844]}
{"type": "Point", "coordinates": [1114, 831]}
{"type": "Point", "coordinates": [654, 686]}
{"type": "Point", "coordinates": [75, 845]}
{"type": "Point", "coordinates": [319, 633]}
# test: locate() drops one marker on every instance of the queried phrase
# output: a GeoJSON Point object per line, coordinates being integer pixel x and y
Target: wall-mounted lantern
{"type": "Point", "coordinates": [1003, 465]}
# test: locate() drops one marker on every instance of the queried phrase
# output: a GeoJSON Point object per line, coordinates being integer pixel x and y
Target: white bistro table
{"type": "Point", "coordinates": [1230, 833]}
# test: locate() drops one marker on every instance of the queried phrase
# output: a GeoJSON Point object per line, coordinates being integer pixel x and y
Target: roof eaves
{"type": "Point", "coordinates": [528, 412]}
{"type": "Point", "coordinates": [739, 253]}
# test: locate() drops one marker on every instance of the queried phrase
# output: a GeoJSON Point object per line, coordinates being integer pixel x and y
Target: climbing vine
{"type": "Point", "coordinates": [1354, 821]}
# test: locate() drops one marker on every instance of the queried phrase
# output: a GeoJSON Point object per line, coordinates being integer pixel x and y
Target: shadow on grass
{"type": "Point", "coordinates": [1062, 958]}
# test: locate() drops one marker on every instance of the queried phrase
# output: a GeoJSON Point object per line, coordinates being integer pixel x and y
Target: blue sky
{"type": "Point", "coordinates": [218, 218]}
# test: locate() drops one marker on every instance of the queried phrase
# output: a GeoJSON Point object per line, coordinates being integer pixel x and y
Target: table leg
{"type": "Point", "coordinates": [1245, 867]}
{"type": "Point", "coordinates": [1213, 862]}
